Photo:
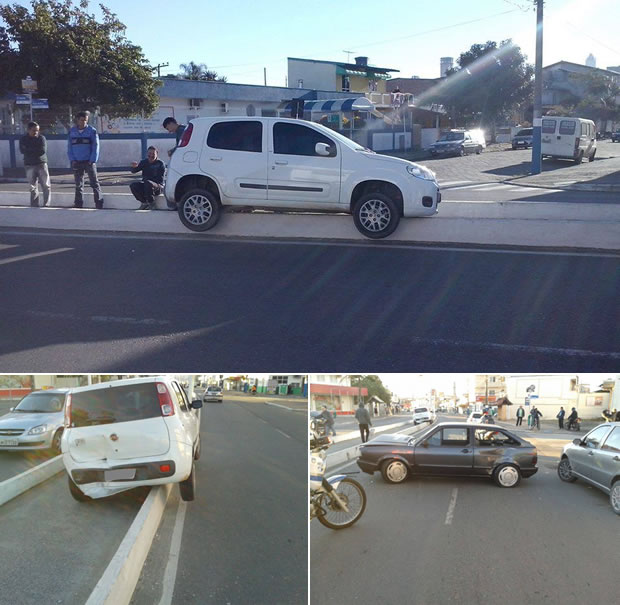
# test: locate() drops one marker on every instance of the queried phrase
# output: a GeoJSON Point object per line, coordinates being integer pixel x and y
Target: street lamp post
{"type": "Point", "coordinates": [538, 85]}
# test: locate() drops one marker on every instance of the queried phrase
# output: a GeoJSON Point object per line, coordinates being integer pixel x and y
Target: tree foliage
{"type": "Point", "coordinates": [76, 60]}
{"type": "Point", "coordinates": [199, 71]}
{"type": "Point", "coordinates": [489, 82]}
{"type": "Point", "coordinates": [600, 100]}
{"type": "Point", "coordinates": [374, 385]}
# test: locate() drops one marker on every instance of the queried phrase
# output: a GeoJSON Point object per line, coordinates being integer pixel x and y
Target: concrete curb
{"type": "Point", "coordinates": [601, 188]}
{"type": "Point", "coordinates": [119, 580]}
{"type": "Point", "coordinates": [13, 487]}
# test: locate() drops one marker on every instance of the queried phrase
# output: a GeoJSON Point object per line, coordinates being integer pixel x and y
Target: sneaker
{"type": "Point", "coordinates": [145, 206]}
{"type": "Point", "coordinates": [99, 205]}
{"type": "Point", "coordinates": [76, 205]}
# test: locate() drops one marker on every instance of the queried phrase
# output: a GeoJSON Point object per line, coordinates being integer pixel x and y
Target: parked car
{"type": "Point", "coordinates": [451, 449]}
{"type": "Point", "coordinates": [523, 138]}
{"type": "Point", "coordinates": [213, 393]}
{"type": "Point", "coordinates": [292, 164]}
{"type": "Point", "coordinates": [615, 136]}
{"type": "Point", "coordinates": [595, 458]}
{"type": "Point", "coordinates": [570, 138]}
{"type": "Point", "coordinates": [130, 433]}
{"type": "Point", "coordinates": [35, 423]}
{"type": "Point", "coordinates": [457, 142]}
{"type": "Point", "coordinates": [423, 415]}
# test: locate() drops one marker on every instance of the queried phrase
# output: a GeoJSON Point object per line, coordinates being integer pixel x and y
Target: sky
{"type": "Point", "coordinates": [408, 385]}
{"type": "Point", "coordinates": [239, 38]}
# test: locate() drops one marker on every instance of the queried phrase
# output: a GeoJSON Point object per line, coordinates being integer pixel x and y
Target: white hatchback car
{"type": "Point", "coordinates": [292, 164]}
{"type": "Point", "coordinates": [475, 418]}
{"type": "Point", "coordinates": [423, 415]}
{"type": "Point", "coordinates": [130, 433]}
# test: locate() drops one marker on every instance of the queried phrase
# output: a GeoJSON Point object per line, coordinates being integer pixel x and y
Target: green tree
{"type": "Point", "coordinates": [374, 385]}
{"type": "Point", "coordinates": [77, 61]}
{"type": "Point", "coordinates": [489, 82]}
{"type": "Point", "coordinates": [199, 71]}
{"type": "Point", "coordinates": [599, 102]}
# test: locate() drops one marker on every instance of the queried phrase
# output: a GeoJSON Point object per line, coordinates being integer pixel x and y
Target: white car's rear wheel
{"type": "Point", "coordinates": [199, 210]}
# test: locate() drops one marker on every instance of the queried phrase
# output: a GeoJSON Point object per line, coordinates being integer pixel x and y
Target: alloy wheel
{"type": "Point", "coordinates": [375, 215]}
{"type": "Point", "coordinates": [614, 497]}
{"type": "Point", "coordinates": [197, 209]}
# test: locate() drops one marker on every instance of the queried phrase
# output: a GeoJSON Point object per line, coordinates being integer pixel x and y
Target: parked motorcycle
{"type": "Point", "coordinates": [610, 415]}
{"type": "Point", "coordinates": [338, 501]}
{"type": "Point", "coordinates": [575, 425]}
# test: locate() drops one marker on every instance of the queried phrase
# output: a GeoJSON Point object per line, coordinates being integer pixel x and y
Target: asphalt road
{"type": "Point", "coordinates": [443, 541]}
{"type": "Point", "coordinates": [110, 303]}
{"type": "Point", "coordinates": [245, 537]}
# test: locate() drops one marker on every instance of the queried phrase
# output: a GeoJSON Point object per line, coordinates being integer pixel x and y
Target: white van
{"type": "Point", "coordinates": [564, 137]}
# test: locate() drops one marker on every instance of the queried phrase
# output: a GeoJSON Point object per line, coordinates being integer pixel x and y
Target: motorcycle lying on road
{"type": "Point", "coordinates": [338, 501]}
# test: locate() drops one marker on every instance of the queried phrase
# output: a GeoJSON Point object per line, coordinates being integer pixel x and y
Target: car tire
{"type": "Point", "coordinates": [462, 151]}
{"type": "Point", "coordinates": [507, 475]}
{"type": "Point", "coordinates": [514, 147]}
{"type": "Point", "coordinates": [479, 150]}
{"type": "Point", "coordinates": [55, 446]}
{"type": "Point", "coordinates": [614, 497]}
{"type": "Point", "coordinates": [592, 156]}
{"type": "Point", "coordinates": [579, 158]}
{"type": "Point", "coordinates": [565, 472]}
{"type": "Point", "coordinates": [76, 492]}
{"type": "Point", "coordinates": [376, 215]}
{"type": "Point", "coordinates": [188, 487]}
{"type": "Point", "coordinates": [394, 471]}
{"type": "Point", "coordinates": [199, 210]}
{"type": "Point", "coordinates": [197, 450]}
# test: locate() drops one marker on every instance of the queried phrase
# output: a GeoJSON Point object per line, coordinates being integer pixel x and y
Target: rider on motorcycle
{"type": "Point", "coordinates": [571, 419]}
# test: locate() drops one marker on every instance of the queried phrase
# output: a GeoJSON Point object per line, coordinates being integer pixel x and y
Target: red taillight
{"type": "Point", "coordinates": [68, 411]}
{"type": "Point", "coordinates": [165, 401]}
{"type": "Point", "coordinates": [164, 468]}
{"type": "Point", "coordinates": [187, 135]}
{"type": "Point", "coordinates": [576, 143]}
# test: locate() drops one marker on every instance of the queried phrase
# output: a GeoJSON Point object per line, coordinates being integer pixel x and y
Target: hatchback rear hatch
{"type": "Point", "coordinates": [118, 423]}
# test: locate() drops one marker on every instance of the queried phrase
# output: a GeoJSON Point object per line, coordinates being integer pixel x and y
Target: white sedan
{"type": "Point", "coordinates": [475, 418]}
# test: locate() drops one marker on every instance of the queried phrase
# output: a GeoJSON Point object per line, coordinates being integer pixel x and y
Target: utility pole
{"type": "Point", "coordinates": [158, 68]}
{"type": "Point", "coordinates": [538, 86]}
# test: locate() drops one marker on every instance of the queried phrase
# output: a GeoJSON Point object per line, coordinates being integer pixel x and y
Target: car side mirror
{"type": "Point", "coordinates": [323, 149]}
{"type": "Point", "coordinates": [577, 441]}
{"type": "Point", "coordinates": [196, 404]}
{"type": "Point", "coordinates": [425, 444]}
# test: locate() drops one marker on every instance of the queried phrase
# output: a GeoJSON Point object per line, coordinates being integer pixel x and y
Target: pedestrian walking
{"type": "Point", "coordinates": [329, 420]}
{"type": "Point", "coordinates": [536, 414]}
{"type": "Point", "coordinates": [363, 419]}
{"type": "Point", "coordinates": [520, 415]}
{"type": "Point", "coordinates": [34, 147]}
{"type": "Point", "coordinates": [152, 183]}
{"type": "Point", "coordinates": [83, 152]}
{"type": "Point", "coordinates": [560, 417]}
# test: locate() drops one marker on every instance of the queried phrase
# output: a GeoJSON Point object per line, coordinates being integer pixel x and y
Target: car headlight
{"type": "Point", "coordinates": [37, 430]}
{"type": "Point", "coordinates": [421, 172]}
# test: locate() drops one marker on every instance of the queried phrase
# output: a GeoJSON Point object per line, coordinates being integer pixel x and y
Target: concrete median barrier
{"type": "Point", "coordinates": [119, 580]}
{"type": "Point", "coordinates": [13, 487]}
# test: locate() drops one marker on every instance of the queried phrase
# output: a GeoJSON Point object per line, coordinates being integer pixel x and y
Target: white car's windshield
{"type": "Point", "coordinates": [452, 136]}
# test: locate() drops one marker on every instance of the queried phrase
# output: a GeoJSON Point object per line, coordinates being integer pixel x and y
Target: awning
{"type": "Point", "coordinates": [333, 389]}
{"type": "Point", "coordinates": [334, 105]}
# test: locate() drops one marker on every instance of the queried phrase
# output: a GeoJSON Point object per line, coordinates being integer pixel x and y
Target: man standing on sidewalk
{"type": "Point", "coordinates": [363, 418]}
{"type": "Point", "coordinates": [83, 152]}
{"type": "Point", "coordinates": [520, 415]}
{"type": "Point", "coordinates": [34, 147]}
{"type": "Point", "coordinates": [560, 417]}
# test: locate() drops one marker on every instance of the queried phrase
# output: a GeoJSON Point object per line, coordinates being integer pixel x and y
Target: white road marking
{"type": "Point", "coordinates": [278, 405]}
{"type": "Point", "coordinates": [519, 348]}
{"type": "Point", "coordinates": [283, 433]}
{"type": "Point", "coordinates": [451, 183]}
{"type": "Point", "coordinates": [170, 574]}
{"type": "Point", "coordinates": [450, 513]}
{"type": "Point", "coordinates": [16, 259]}
{"type": "Point", "coordinates": [7, 246]}
{"type": "Point", "coordinates": [148, 321]}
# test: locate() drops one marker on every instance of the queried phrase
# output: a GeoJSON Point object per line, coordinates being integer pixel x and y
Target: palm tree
{"type": "Point", "coordinates": [199, 71]}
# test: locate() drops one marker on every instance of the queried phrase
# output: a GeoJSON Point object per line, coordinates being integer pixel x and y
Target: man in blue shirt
{"type": "Point", "coordinates": [83, 152]}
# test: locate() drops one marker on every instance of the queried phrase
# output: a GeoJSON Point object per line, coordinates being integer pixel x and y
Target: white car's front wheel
{"type": "Point", "coordinates": [376, 215]}
{"type": "Point", "coordinates": [199, 210]}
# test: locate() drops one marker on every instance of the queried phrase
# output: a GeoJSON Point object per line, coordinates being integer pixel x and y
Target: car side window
{"type": "Point", "coordinates": [613, 441]}
{"type": "Point", "coordinates": [434, 440]}
{"type": "Point", "coordinates": [594, 439]}
{"type": "Point", "coordinates": [486, 437]}
{"type": "Point", "coordinates": [455, 436]}
{"type": "Point", "coordinates": [296, 139]}
{"type": "Point", "coordinates": [180, 396]}
{"type": "Point", "coordinates": [239, 135]}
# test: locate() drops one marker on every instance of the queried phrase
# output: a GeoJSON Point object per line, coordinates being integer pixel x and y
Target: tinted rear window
{"type": "Point", "coordinates": [567, 127]}
{"type": "Point", "coordinates": [548, 126]}
{"type": "Point", "coordinates": [420, 410]}
{"type": "Point", "coordinates": [236, 136]}
{"type": "Point", "coordinates": [525, 133]}
{"type": "Point", "coordinates": [115, 404]}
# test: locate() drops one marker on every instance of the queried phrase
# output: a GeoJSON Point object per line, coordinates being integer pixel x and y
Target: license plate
{"type": "Point", "coordinates": [118, 474]}
{"type": "Point", "coordinates": [9, 442]}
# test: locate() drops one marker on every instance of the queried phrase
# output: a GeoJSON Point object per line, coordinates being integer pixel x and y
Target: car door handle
{"type": "Point", "coordinates": [465, 451]}
{"type": "Point", "coordinates": [216, 159]}
{"type": "Point", "coordinates": [281, 162]}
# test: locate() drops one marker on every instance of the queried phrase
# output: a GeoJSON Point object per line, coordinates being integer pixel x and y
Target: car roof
{"type": "Point", "coordinates": [125, 382]}
{"type": "Point", "coordinates": [58, 391]}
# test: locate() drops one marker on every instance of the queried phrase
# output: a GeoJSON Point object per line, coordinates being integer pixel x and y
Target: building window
{"type": "Point", "coordinates": [300, 83]}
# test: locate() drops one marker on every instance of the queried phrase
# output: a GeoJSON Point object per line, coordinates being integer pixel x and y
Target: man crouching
{"type": "Point", "coordinates": [152, 183]}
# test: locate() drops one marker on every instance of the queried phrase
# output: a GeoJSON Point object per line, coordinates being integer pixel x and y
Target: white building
{"type": "Point", "coordinates": [335, 392]}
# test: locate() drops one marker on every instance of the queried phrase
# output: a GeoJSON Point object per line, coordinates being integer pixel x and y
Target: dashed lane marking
{"type": "Point", "coordinates": [450, 513]}
{"type": "Point", "coordinates": [170, 574]}
{"type": "Point", "coordinates": [16, 259]}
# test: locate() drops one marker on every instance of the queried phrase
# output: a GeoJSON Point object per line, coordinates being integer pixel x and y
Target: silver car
{"type": "Point", "coordinates": [35, 423]}
{"type": "Point", "coordinates": [213, 393]}
{"type": "Point", "coordinates": [596, 459]}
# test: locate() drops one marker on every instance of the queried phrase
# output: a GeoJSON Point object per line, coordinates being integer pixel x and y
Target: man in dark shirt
{"type": "Point", "coordinates": [152, 182]}
{"type": "Point", "coordinates": [34, 147]}
{"type": "Point", "coordinates": [173, 127]}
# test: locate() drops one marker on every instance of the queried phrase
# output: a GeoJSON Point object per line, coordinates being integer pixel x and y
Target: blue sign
{"type": "Point", "coordinates": [22, 99]}
{"type": "Point", "coordinates": [40, 104]}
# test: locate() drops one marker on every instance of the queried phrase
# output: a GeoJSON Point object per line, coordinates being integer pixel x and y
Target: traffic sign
{"type": "Point", "coordinates": [40, 104]}
{"type": "Point", "coordinates": [22, 99]}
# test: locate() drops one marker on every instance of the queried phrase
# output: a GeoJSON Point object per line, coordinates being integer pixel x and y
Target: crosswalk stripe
{"type": "Point", "coordinates": [450, 183]}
